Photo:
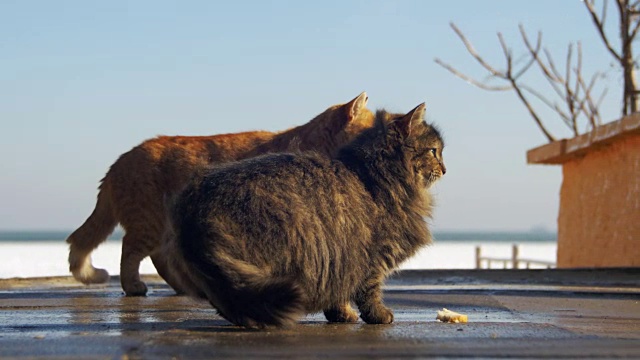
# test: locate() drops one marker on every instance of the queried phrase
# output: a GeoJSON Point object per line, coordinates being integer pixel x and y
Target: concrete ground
{"type": "Point", "coordinates": [512, 313]}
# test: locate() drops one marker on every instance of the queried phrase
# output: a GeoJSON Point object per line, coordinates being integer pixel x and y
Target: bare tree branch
{"type": "Point", "coordinates": [554, 78]}
{"type": "Point", "coordinates": [586, 104]}
{"type": "Point", "coordinates": [471, 80]}
{"type": "Point", "coordinates": [569, 85]}
{"type": "Point", "coordinates": [599, 22]}
{"type": "Point", "coordinates": [552, 66]}
{"type": "Point", "coordinates": [533, 52]}
{"type": "Point", "coordinates": [634, 32]}
{"type": "Point", "coordinates": [473, 52]}
{"type": "Point", "coordinates": [577, 88]}
{"type": "Point", "coordinates": [554, 106]}
{"type": "Point", "coordinates": [571, 97]}
{"type": "Point", "coordinates": [551, 77]}
{"type": "Point", "coordinates": [507, 54]}
{"type": "Point", "coordinates": [507, 75]}
{"type": "Point", "coordinates": [598, 103]}
{"type": "Point", "coordinates": [533, 114]}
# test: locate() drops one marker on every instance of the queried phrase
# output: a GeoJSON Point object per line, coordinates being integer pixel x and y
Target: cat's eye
{"type": "Point", "coordinates": [434, 151]}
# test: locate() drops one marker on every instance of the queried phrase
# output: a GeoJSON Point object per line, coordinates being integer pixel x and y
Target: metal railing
{"type": "Point", "coordinates": [510, 263]}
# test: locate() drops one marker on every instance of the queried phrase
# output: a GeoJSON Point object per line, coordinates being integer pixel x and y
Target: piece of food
{"type": "Point", "coordinates": [449, 316]}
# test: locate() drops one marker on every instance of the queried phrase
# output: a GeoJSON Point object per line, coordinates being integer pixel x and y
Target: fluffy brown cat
{"type": "Point", "coordinates": [134, 190]}
{"type": "Point", "coordinates": [267, 239]}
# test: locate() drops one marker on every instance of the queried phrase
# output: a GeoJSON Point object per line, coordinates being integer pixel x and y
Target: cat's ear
{"type": "Point", "coordinates": [355, 106]}
{"type": "Point", "coordinates": [413, 117]}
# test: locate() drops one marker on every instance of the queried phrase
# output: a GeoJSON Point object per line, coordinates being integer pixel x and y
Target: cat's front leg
{"type": "Point", "coordinates": [369, 301]}
{"type": "Point", "coordinates": [342, 313]}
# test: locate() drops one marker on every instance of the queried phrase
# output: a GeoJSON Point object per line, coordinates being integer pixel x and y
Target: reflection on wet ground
{"type": "Point", "coordinates": [74, 320]}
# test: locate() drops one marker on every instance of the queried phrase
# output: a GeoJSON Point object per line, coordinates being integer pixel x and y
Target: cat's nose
{"type": "Point", "coordinates": [444, 169]}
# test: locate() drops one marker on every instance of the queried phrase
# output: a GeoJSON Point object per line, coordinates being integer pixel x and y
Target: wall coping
{"type": "Point", "coordinates": [561, 151]}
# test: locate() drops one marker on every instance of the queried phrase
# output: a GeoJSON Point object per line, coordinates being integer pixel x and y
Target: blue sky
{"type": "Point", "coordinates": [82, 82]}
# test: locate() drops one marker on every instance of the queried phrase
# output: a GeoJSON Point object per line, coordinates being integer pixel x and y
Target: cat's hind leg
{"type": "Point", "coordinates": [143, 219]}
{"type": "Point", "coordinates": [139, 242]}
{"type": "Point", "coordinates": [162, 266]}
{"type": "Point", "coordinates": [132, 254]}
{"type": "Point", "coordinates": [342, 313]}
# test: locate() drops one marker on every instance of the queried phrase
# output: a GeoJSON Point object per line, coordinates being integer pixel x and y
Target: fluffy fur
{"type": "Point", "coordinates": [267, 239]}
{"type": "Point", "coordinates": [135, 188]}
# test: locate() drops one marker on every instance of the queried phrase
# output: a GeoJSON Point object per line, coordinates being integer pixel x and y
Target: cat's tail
{"type": "Point", "coordinates": [249, 296]}
{"type": "Point", "coordinates": [95, 230]}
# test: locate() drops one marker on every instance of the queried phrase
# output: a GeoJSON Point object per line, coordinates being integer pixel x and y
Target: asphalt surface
{"type": "Point", "coordinates": [512, 313]}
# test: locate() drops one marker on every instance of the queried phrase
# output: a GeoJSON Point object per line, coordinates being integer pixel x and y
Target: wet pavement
{"type": "Point", "coordinates": [512, 313]}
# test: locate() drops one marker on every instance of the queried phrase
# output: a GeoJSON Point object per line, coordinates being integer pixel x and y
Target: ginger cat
{"type": "Point", "coordinates": [134, 190]}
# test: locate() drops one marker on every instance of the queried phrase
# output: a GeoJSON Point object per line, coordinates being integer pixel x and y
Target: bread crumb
{"type": "Point", "coordinates": [449, 316]}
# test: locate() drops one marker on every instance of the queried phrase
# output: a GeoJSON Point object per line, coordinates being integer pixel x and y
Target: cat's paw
{"type": "Point", "coordinates": [88, 275]}
{"type": "Point", "coordinates": [378, 315]}
{"type": "Point", "coordinates": [135, 288]}
{"type": "Point", "coordinates": [94, 276]}
{"type": "Point", "coordinates": [342, 314]}
{"type": "Point", "coordinates": [100, 276]}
